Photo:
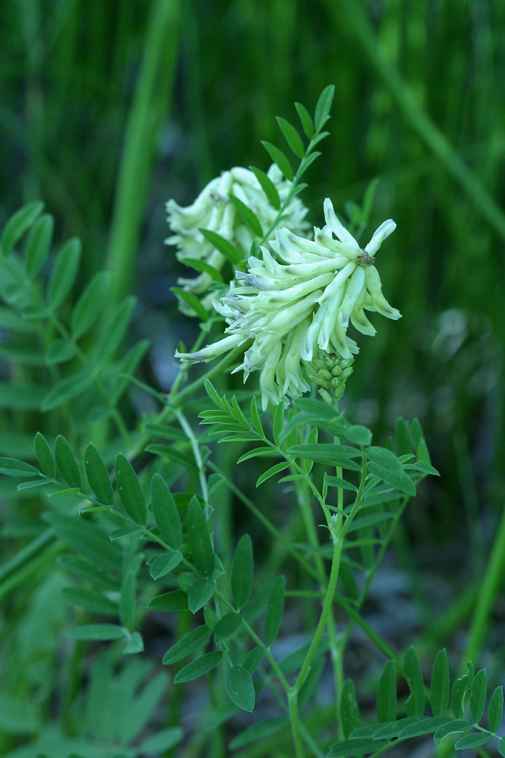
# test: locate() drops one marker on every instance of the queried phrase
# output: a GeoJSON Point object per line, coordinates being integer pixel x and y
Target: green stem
{"type": "Point", "coordinates": [327, 605]}
{"type": "Point", "coordinates": [186, 427]}
{"type": "Point", "coordinates": [310, 528]}
{"type": "Point", "coordinates": [414, 115]}
{"type": "Point", "coordinates": [486, 596]}
{"type": "Point", "coordinates": [295, 722]}
{"type": "Point", "coordinates": [150, 101]}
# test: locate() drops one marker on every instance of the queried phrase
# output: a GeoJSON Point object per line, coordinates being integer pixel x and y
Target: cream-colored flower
{"type": "Point", "coordinates": [297, 311]}
{"type": "Point", "coordinates": [213, 210]}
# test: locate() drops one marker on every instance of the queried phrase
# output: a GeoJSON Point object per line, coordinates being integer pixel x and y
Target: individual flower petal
{"type": "Point", "coordinates": [212, 351]}
{"type": "Point", "coordinates": [374, 287]}
{"type": "Point", "coordinates": [337, 228]}
{"type": "Point", "coordinates": [380, 234]}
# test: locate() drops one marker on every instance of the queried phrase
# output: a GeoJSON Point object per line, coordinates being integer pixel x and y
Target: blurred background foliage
{"type": "Point", "coordinates": [110, 109]}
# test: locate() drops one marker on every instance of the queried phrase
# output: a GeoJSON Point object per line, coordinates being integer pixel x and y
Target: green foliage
{"type": "Point", "coordinates": [62, 330]}
{"type": "Point", "coordinates": [390, 731]}
{"type": "Point", "coordinates": [239, 688]}
{"type": "Point", "coordinates": [274, 611]}
{"type": "Point", "coordinates": [242, 572]}
{"type": "Point", "coordinates": [130, 490]}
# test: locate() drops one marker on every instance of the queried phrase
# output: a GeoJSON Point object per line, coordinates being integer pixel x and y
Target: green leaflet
{"type": "Point", "coordinates": [258, 732]}
{"type": "Point", "coordinates": [306, 120]}
{"type": "Point", "coordinates": [199, 538]}
{"type": "Point", "coordinates": [90, 304]}
{"type": "Point", "coordinates": [200, 594]}
{"type": "Point", "coordinates": [130, 490]}
{"type": "Point", "coordinates": [227, 626]}
{"type": "Point", "coordinates": [239, 688]}
{"type": "Point", "coordinates": [38, 243]}
{"type": "Point", "coordinates": [66, 389]}
{"type": "Point", "coordinates": [64, 272]}
{"type": "Point", "coordinates": [242, 571]}
{"type": "Point", "coordinates": [385, 464]}
{"type": "Point", "coordinates": [351, 718]}
{"type": "Point", "coordinates": [478, 694]}
{"type": "Point", "coordinates": [387, 694]}
{"type": "Point", "coordinates": [414, 705]}
{"type": "Point", "coordinates": [279, 158]}
{"type": "Point", "coordinates": [164, 564]}
{"type": "Point", "coordinates": [98, 476]}
{"type": "Point", "coordinates": [197, 668]}
{"type": "Point", "coordinates": [165, 512]}
{"type": "Point", "coordinates": [66, 462]}
{"type": "Point", "coordinates": [18, 224]}
{"type": "Point", "coordinates": [495, 711]}
{"type": "Point", "coordinates": [248, 216]}
{"type": "Point", "coordinates": [291, 136]}
{"type": "Point", "coordinates": [323, 106]}
{"type": "Point", "coordinates": [440, 684]}
{"type": "Point", "coordinates": [13, 467]}
{"type": "Point", "coordinates": [187, 644]}
{"type": "Point", "coordinates": [92, 601]}
{"type": "Point", "coordinates": [274, 611]}
{"type": "Point", "coordinates": [96, 632]}
{"type": "Point", "coordinates": [268, 187]}
{"type": "Point", "coordinates": [176, 600]}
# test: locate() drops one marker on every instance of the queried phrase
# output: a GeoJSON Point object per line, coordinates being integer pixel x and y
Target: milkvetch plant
{"type": "Point", "coordinates": [133, 520]}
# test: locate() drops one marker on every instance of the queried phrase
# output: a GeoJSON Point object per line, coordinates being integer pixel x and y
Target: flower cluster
{"type": "Point", "coordinates": [213, 210]}
{"type": "Point", "coordinates": [296, 310]}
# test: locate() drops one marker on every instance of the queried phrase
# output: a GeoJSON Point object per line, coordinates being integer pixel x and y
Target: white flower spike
{"type": "Point", "coordinates": [297, 311]}
{"type": "Point", "coordinates": [213, 210]}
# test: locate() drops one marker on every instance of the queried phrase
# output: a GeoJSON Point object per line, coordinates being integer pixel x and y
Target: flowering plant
{"type": "Point", "coordinates": [140, 520]}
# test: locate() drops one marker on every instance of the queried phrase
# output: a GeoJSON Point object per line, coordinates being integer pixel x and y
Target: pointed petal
{"type": "Point", "coordinates": [212, 351]}
{"type": "Point", "coordinates": [374, 287]}
{"type": "Point", "coordinates": [379, 236]}
{"type": "Point", "coordinates": [337, 228]}
{"type": "Point", "coordinates": [361, 323]}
